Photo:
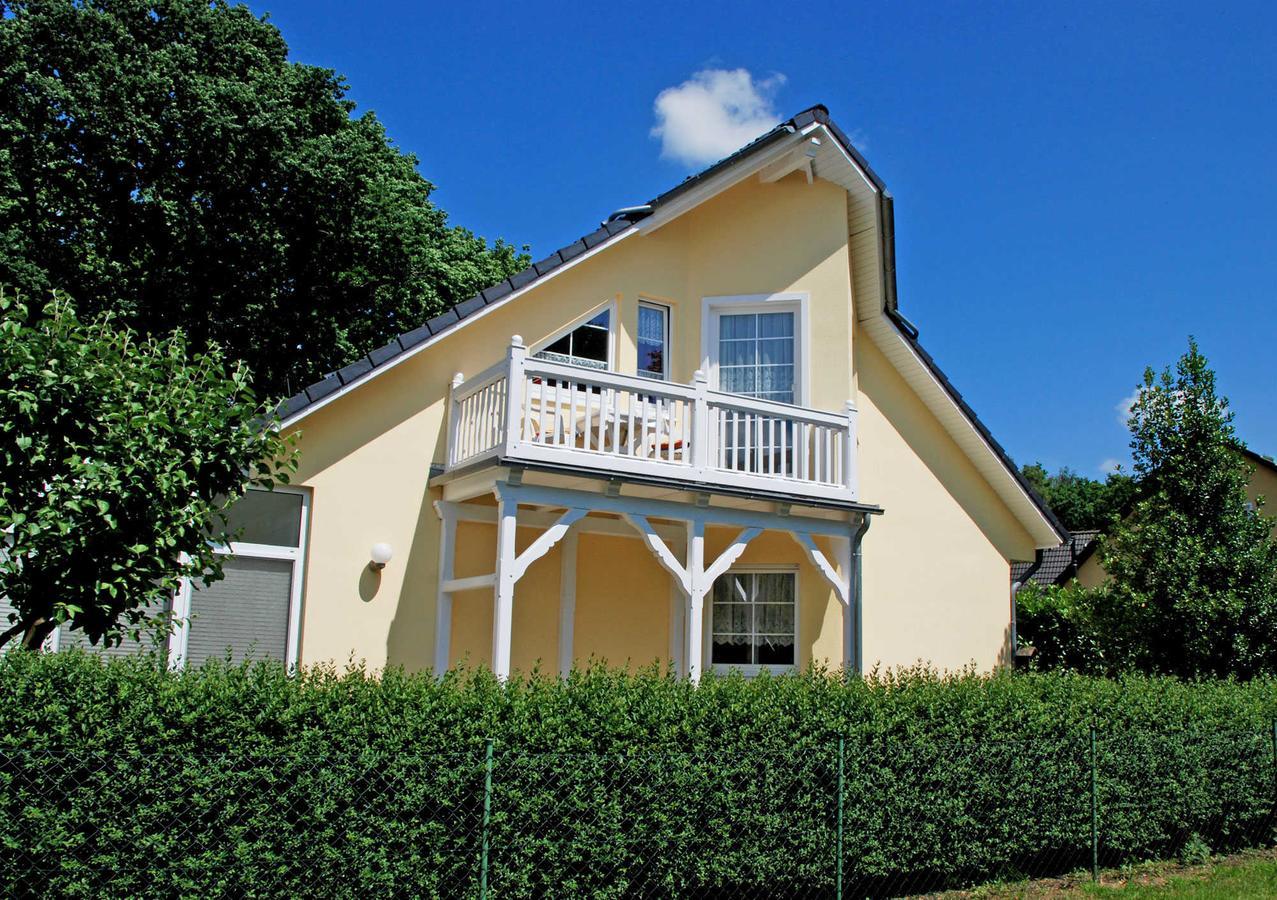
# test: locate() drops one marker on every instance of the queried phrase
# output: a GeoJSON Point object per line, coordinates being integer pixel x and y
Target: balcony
{"type": "Point", "coordinates": [534, 411]}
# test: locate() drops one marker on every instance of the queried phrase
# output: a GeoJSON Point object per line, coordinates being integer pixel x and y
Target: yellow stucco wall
{"type": "Point", "coordinates": [1263, 483]}
{"type": "Point", "coordinates": [936, 563]}
{"type": "Point", "coordinates": [936, 570]}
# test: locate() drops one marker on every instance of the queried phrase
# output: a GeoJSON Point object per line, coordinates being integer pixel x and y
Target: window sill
{"type": "Point", "coordinates": [752, 671]}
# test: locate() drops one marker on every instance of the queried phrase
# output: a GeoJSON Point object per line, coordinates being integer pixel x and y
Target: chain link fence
{"type": "Point", "coordinates": [888, 817]}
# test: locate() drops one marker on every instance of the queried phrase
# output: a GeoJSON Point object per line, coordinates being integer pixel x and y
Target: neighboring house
{"type": "Point", "coordinates": [1263, 482]}
{"type": "Point", "coordinates": [1076, 557]}
{"type": "Point", "coordinates": [1059, 564]}
{"type": "Point", "coordinates": [701, 434]}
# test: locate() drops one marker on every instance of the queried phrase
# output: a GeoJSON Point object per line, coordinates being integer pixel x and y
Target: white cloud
{"type": "Point", "coordinates": [713, 114]}
{"type": "Point", "coordinates": [1109, 466]}
{"type": "Point", "coordinates": [1125, 406]}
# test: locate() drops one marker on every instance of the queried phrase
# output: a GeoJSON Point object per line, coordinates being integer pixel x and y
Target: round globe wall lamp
{"type": "Point", "coordinates": [380, 555]}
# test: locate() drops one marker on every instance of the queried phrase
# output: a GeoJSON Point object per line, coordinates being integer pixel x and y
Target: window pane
{"type": "Point", "coordinates": [732, 618]}
{"type": "Point", "coordinates": [777, 351]}
{"type": "Point", "coordinates": [771, 379]}
{"type": "Point", "coordinates": [602, 320]}
{"type": "Point", "coordinates": [737, 353]}
{"type": "Point", "coordinates": [725, 652]}
{"type": "Point", "coordinates": [561, 347]}
{"type": "Point", "coordinates": [774, 618]}
{"type": "Point", "coordinates": [651, 324]}
{"type": "Point", "coordinates": [153, 634]}
{"type": "Point", "coordinates": [772, 651]}
{"type": "Point", "coordinates": [742, 326]}
{"type": "Point", "coordinates": [737, 380]}
{"type": "Point", "coordinates": [590, 343]}
{"type": "Point", "coordinates": [774, 587]}
{"type": "Point", "coordinates": [245, 613]}
{"type": "Point", "coordinates": [267, 517]}
{"type": "Point", "coordinates": [776, 325]}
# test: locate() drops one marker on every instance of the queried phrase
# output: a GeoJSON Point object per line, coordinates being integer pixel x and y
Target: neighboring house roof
{"type": "Point", "coordinates": [1057, 565]}
{"type": "Point", "coordinates": [625, 223]}
{"type": "Point", "coordinates": [1256, 459]}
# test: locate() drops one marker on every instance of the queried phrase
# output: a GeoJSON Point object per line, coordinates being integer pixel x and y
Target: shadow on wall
{"type": "Point", "coordinates": [410, 639]}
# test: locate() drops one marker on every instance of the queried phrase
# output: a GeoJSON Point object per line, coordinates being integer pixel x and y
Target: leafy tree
{"type": "Point", "coordinates": [118, 459]}
{"type": "Point", "coordinates": [164, 160]}
{"type": "Point", "coordinates": [1079, 502]}
{"type": "Point", "coordinates": [1193, 568]}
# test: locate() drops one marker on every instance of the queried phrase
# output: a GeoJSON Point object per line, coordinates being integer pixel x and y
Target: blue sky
{"type": "Point", "coordinates": [1078, 187]}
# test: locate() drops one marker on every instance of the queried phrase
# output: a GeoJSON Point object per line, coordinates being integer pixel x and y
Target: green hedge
{"type": "Point", "coordinates": [121, 778]}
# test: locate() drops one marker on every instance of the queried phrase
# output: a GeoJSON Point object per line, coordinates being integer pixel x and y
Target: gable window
{"type": "Point", "coordinates": [653, 341]}
{"type": "Point", "coordinates": [755, 621]}
{"type": "Point", "coordinates": [588, 344]}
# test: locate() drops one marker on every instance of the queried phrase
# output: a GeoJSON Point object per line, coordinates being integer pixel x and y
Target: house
{"type": "Point", "coordinates": [703, 434]}
{"type": "Point", "coordinates": [1076, 558]}
{"type": "Point", "coordinates": [1061, 564]}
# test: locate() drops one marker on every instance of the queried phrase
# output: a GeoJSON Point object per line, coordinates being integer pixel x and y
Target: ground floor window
{"type": "Point", "coordinates": [254, 612]}
{"type": "Point", "coordinates": [755, 621]}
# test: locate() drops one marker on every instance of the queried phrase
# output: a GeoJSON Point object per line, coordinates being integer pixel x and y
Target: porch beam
{"type": "Point", "coordinates": [473, 583]}
{"type": "Point", "coordinates": [729, 556]}
{"type": "Point", "coordinates": [840, 583]}
{"type": "Point", "coordinates": [542, 519]}
{"type": "Point", "coordinates": [664, 555]}
{"type": "Point", "coordinates": [558, 498]}
{"type": "Point", "coordinates": [546, 540]}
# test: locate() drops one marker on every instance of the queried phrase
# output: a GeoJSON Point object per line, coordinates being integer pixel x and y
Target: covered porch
{"type": "Point", "coordinates": [547, 568]}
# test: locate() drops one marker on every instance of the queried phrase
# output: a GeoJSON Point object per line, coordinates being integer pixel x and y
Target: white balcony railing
{"type": "Point", "coordinates": [532, 409]}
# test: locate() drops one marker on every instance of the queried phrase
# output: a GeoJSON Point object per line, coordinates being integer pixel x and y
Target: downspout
{"type": "Point", "coordinates": [857, 588]}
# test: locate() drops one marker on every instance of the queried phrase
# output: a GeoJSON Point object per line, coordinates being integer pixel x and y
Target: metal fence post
{"type": "Point", "coordinates": [1095, 813]}
{"type": "Point", "coordinates": [842, 744]}
{"type": "Point", "coordinates": [1275, 762]}
{"type": "Point", "coordinates": [487, 818]}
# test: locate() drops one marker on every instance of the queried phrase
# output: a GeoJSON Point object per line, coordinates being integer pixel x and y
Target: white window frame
{"type": "Point", "coordinates": [668, 312]}
{"type": "Point", "coordinates": [752, 670]}
{"type": "Point", "coordinates": [796, 302]}
{"type": "Point", "coordinates": [180, 636]}
{"type": "Point", "coordinates": [611, 307]}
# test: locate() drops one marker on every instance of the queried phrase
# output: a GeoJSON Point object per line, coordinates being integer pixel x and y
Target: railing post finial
{"type": "Point", "coordinates": [457, 380]}
{"type": "Point", "coordinates": [516, 340]}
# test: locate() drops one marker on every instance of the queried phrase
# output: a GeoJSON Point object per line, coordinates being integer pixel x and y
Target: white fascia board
{"type": "Point", "coordinates": [434, 339]}
{"type": "Point", "coordinates": [988, 462]}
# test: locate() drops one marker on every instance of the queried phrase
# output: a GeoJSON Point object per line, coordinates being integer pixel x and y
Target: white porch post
{"type": "Point", "coordinates": [443, 598]}
{"type": "Point", "coordinates": [567, 602]}
{"type": "Point", "coordinates": [503, 586]}
{"type": "Point", "coordinates": [850, 454]}
{"type": "Point", "coordinates": [695, 634]}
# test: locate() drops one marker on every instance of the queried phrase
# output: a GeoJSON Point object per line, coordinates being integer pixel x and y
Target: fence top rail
{"type": "Point", "coordinates": [603, 378]}
{"type": "Point", "coordinates": [740, 403]}
{"type": "Point", "coordinates": [476, 383]}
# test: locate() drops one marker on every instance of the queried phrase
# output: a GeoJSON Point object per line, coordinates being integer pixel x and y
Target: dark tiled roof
{"type": "Point", "coordinates": [1256, 459]}
{"type": "Point", "coordinates": [367, 365]}
{"type": "Point", "coordinates": [1057, 565]}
